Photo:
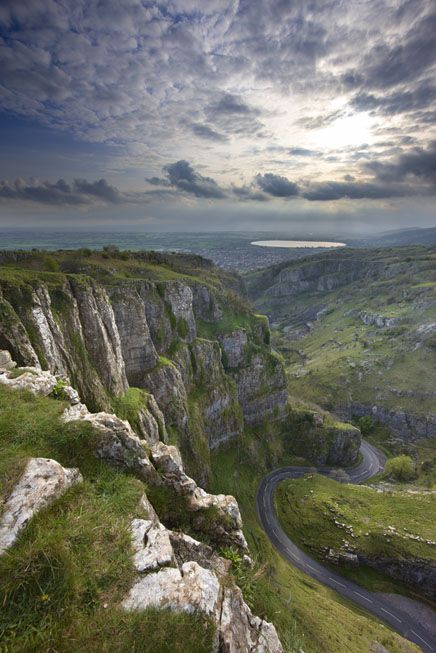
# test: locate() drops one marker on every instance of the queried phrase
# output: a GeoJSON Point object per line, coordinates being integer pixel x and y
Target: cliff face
{"type": "Point", "coordinates": [358, 330]}
{"type": "Point", "coordinates": [172, 338]}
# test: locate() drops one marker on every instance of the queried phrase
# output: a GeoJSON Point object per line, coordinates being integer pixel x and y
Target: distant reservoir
{"type": "Point", "coordinates": [296, 243]}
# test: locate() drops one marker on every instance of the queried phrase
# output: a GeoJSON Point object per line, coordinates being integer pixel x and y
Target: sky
{"type": "Point", "coordinates": [218, 114]}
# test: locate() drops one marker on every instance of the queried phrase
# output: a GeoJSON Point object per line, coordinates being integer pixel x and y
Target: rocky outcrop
{"type": "Point", "coordinates": [179, 573]}
{"type": "Point", "coordinates": [321, 440]}
{"type": "Point", "coordinates": [144, 334]}
{"type": "Point", "coordinates": [226, 527]}
{"type": "Point", "coordinates": [259, 376]}
{"type": "Point", "coordinates": [404, 425]}
{"type": "Point", "coordinates": [417, 573]}
{"type": "Point", "coordinates": [216, 515]}
{"type": "Point", "coordinates": [42, 482]}
{"type": "Point", "coordinates": [174, 571]}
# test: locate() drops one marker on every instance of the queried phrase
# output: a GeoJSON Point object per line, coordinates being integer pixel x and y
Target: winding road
{"type": "Point", "coordinates": [372, 461]}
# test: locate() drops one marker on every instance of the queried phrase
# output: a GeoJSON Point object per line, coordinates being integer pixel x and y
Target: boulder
{"type": "Point", "coordinates": [151, 544]}
{"type": "Point", "coordinates": [43, 481]}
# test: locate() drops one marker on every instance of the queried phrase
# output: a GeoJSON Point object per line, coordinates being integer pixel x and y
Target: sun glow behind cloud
{"type": "Point", "coordinates": [346, 131]}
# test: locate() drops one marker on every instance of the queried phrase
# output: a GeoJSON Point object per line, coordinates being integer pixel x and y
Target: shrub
{"type": "Point", "coordinates": [366, 424]}
{"type": "Point", "coordinates": [400, 468]}
{"type": "Point", "coordinates": [50, 264]}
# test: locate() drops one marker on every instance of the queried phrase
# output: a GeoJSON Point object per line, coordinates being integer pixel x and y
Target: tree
{"type": "Point", "coordinates": [366, 424]}
{"type": "Point", "coordinates": [400, 468]}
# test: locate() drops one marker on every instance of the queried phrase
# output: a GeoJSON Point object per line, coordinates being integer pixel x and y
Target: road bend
{"type": "Point", "coordinates": [371, 463]}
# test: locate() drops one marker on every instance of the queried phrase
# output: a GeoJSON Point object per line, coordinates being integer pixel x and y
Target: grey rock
{"type": "Point", "coordinates": [43, 481]}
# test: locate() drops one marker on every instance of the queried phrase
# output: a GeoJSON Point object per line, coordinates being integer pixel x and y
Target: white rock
{"type": "Point", "coordinates": [36, 381]}
{"type": "Point", "coordinates": [190, 590]}
{"type": "Point", "coordinates": [42, 482]}
{"type": "Point", "coordinates": [118, 441]}
{"type": "Point", "coordinates": [152, 545]}
{"type": "Point", "coordinates": [6, 362]}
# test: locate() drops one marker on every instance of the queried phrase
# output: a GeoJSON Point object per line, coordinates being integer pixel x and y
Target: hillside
{"type": "Point", "coordinates": [166, 343]}
{"type": "Point", "coordinates": [357, 329]}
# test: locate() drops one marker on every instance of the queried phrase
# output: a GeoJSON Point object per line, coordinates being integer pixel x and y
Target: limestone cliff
{"type": "Point", "coordinates": [173, 570]}
{"type": "Point", "coordinates": [169, 334]}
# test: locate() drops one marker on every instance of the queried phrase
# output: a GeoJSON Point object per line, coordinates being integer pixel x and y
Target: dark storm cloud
{"type": "Point", "coordinates": [416, 165]}
{"type": "Point", "coordinates": [183, 176]}
{"type": "Point", "coordinates": [276, 185]}
{"type": "Point", "coordinates": [204, 131]}
{"type": "Point", "coordinates": [60, 193]}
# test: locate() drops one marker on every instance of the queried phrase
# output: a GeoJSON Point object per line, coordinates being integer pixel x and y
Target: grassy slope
{"type": "Point", "coordinates": [61, 584]}
{"type": "Point", "coordinates": [342, 358]}
{"type": "Point", "coordinates": [309, 507]}
{"type": "Point", "coordinates": [306, 614]}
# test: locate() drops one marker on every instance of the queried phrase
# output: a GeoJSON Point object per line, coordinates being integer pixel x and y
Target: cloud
{"type": "Point", "coordinates": [417, 165]}
{"type": "Point", "coordinates": [183, 176]}
{"type": "Point", "coordinates": [276, 185]}
{"type": "Point", "coordinates": [302, 151]}
{"type": "Point", "coordinates": [404, 101]}
{"type": "Point", "coordinates": [232, 115]}
{"type": "Point", "coordinates": [336, 190]}
{"type": "Point", "coordinates": [60, 193]}
{"type": "Point", "coordinates": [204, 131]}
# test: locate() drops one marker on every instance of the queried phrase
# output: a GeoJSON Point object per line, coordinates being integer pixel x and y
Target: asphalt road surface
{"type": "Point", "coordinates": [372, 461]}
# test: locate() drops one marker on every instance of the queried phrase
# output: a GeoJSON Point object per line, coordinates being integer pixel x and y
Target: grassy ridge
{"type": "Point", "coordinates": [319, 513]}
{"type": "Point", "coordinates": [61, 584]}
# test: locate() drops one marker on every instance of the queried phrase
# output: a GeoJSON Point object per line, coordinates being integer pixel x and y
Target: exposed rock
{"type": "Point", "coordinates": [179, 297]}
{"type": "Point", "coordinates": [190, 589]}
{"type": "Point", "coordinates": [262, 388]}
{"type": "Point", "coordinates": [6, 362]}
{"type": "Point", "coordinates": [117, 443]}
{"type": "Point", "coordinates": [152, 423]}
{"type": "Point", "coordinates": [48, 332]}
{"type": "Point", "coordinates": [379, 320]}
{"type": "Point", "coordinates": [101, 335]}
{"type": "Point", "coordinates": [222, 416]}
{"type": "Point", "coordinates": [151, 545]}
{"type": "Point", "coordinates": [14, 337]}
{"type": "Point", "coordinates": [139, 352]}
{"type": "Point", "coordinates": [195, 579]}
{"type": "Point", "coordinates": [32, 379]}
{"type": "Point", "coordinates": [234, 348]}
{"type": "Point", "coordinates": [239, 630]}
{"type": "Point", "coordinates": [42, 482]}
{"type": "Point", "coordinates": [205, 304]}
{"type": "Point", "coordinates": [228, 523]}
{"type": "Point", "coordinates": [166, 384]}
{"type": "Point", "coordinates": [405, 425]}
{"type": "Point", "coordinates": [418, 573]}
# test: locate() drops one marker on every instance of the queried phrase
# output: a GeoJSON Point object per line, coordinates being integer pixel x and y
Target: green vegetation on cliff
{"type": "Point", "coordinates": [61, 584]}
{"type": "Point", "coordinates": [356, 328]}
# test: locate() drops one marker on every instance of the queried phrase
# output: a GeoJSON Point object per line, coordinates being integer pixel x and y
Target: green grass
{"type": "Point", "coordinates": [61, 583]}
{"type": "Point", "coordinates": [306, 614]}
{"type": "Point", "coordinates": [128, 405]}
{"type": "Point", "coordinates": [308, 509]}
{"type": "Point", "coordinates": [341, 359]}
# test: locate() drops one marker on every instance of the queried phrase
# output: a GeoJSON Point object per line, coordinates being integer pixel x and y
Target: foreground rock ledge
{"type": "Point", "coordinates": [43, 481]}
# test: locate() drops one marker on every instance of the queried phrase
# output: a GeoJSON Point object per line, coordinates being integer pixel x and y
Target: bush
{"type": "Point", "coordinates": [365, 424]}
{"type": "Point", "coordinates": [400, 468]}
{"type": "Point", "coordinates": [50, 264]}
